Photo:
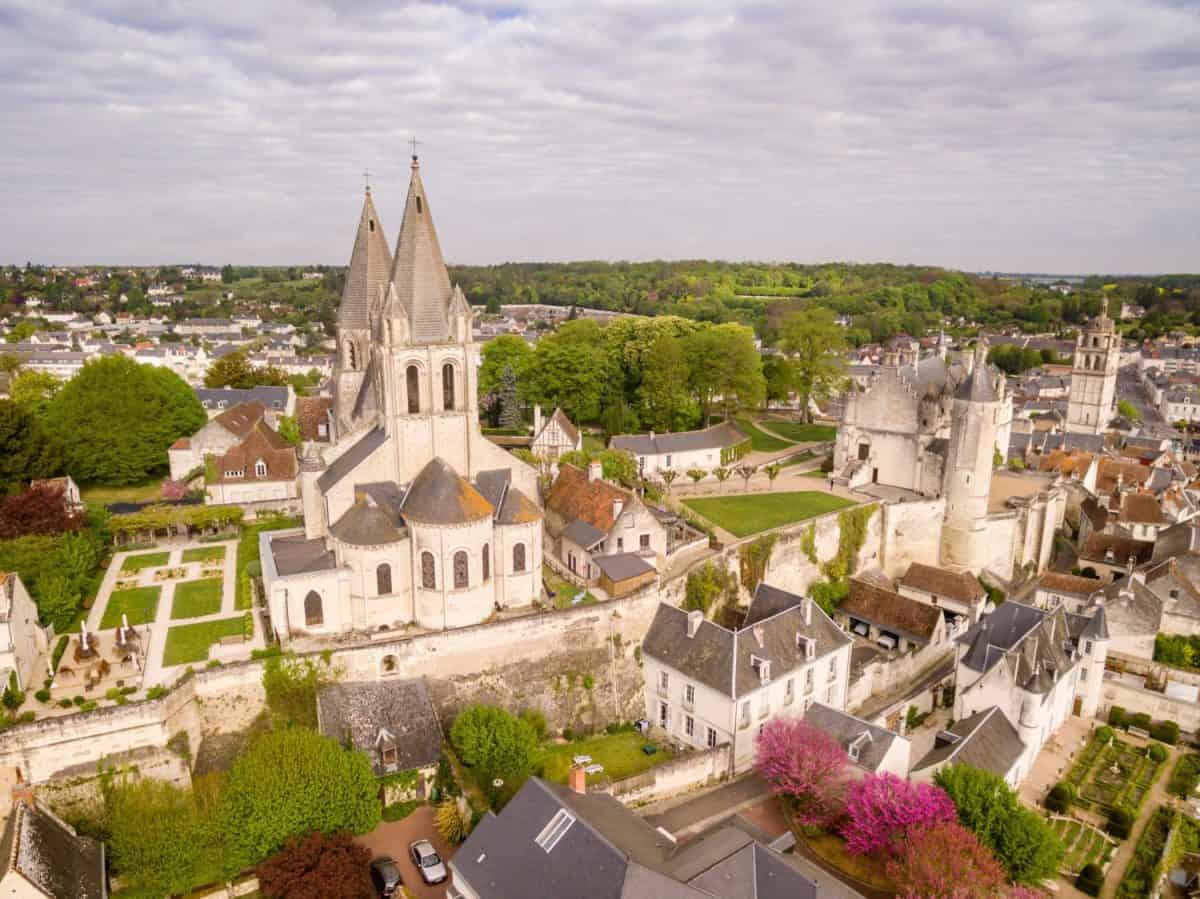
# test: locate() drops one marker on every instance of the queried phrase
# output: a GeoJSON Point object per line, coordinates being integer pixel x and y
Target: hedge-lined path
{"type": "Point", "coordinates": [1156, 796]}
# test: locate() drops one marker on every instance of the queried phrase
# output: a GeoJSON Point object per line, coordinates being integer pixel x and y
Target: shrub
{"type": "Point", "coordinates": [157, 833]}
{"type": "Point", "coordinates": [494, 742]}
{"type": "Point", "coordinates": [1120, 822]}
{"type": "Point", "coordinates": [568, 734]}
{"type": "Point", "coordinates": [1060, 797]}
{"type": "Point", "coordinates": [1090, 879]}
{"type": "Point", "coordinates": [1104, 733]}
{"type": "Point", "coordinates": [1165, 732]}
{"type": "Point", "coordinates": [317, 864]}
{"type": "Point", "coordinates": [1140, 720]}
{"type": "Point", "coordinates": [27, 716]}
{"type": "Point", "coordinates": [88, 706]}
{"type": "Point", "coordinates": [536, 720]}
{"type": "Point", "coordinates": [453, 821]}
{"type": "Point", "coordinates": [42, 695]}
{"type": "Point", "coordinates": [1156, 752]}
{"type": "Point", "coordinates": [79, 700]}
{"type": "Point", "coordinates": [65, 703]}
{"type": "Point", "coordinates": [1117, 717]}
{"type": "Point", "coordinates": [156, 692]}
{"type": "Point", "coordinates": [291, 685]}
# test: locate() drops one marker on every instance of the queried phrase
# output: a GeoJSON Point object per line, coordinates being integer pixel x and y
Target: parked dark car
{"type": "Point", "coordinates": [428, 862]}
{"type": "Point", "coordinates": [385, 875]}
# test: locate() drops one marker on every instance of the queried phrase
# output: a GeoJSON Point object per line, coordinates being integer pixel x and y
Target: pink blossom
{"type": "Point", "coordinates": [881, 807]}
{"type": "Point", "coordinates": [806, 764]}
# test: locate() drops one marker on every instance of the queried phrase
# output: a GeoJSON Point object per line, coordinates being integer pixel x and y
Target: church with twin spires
{"type": "Point", "coordinates": [411, 517]}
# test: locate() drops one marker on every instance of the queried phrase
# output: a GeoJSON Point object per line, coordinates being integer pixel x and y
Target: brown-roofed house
{"type": "Point", "coordinates": [956, 592]}
{"type": "Point", "coordinates": [218, 436]}
{"type": "Point", "coordinates": [314, 417]}
{"type": "Point", "coordinates": [1113, 554]}
{"type": "Point", "coordinates": [890, 619]}
{"type": "Point", "coordinates": [261, 468]}
{"type": "Point", "coordinates": [1055, 587]}
{"type": "Point", "coordinates": [1141, 515]}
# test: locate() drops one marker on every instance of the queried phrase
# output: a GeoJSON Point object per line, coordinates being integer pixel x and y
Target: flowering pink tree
{"type": "Point", "coordinates": [880, 808]}
{"type": "Point", "coordinates": [945, 861]}
{"type": "Point", "coordinates": [1020, 891]}
{"type": "Point", "coordinates": [173, 489]}
{"type": "Point", "coordinates": [806, 764]}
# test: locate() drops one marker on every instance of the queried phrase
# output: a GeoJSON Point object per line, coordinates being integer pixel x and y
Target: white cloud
{"type": "Point", "coordinates": [1018, 136]}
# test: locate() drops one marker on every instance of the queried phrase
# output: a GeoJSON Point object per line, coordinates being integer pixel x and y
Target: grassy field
{"type": "Point", "coordinates": [144, 560]}
{"type": "Point", "coordinates": [140, 604]}
{"type": "Point", "coordinates": [760, 441]}
{"type": "Point", "coordinates": [134, 493]}
{"type": "Point", "coordinates": [621, 755]}
{"type": "Point", "coordinates": [187, 643]}
{"type": "Point", "coordinates": [802, 433]}
{"type": "Point", "coordinates": [196, 598]}
{"type": "Point", "coordinates": [563, 590]}
{"type": "Point", "coordinates": [746, 515]}
{"type": "Point", "coordinates": [204, 554]}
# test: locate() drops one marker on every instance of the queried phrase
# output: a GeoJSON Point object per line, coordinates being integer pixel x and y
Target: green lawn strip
{"type": "Point", "coordinates": [621, 755]}
{"type": "Point", "coordinates": [144, 560]}
{"type": "Point", "coordinates": [107, 496]}
{"type": "Point", "coordinates": [187, 643]}
{"type": "Point", "coordinates": [204, 554]}
{"type": "Point", "coordinates": [798, 459]}
{"type": "Point", "coordinates": [247, 552]}
{"type": "Point", "coordinates": [761, 441]}
{"type": "Point", "coordinates": [816, 474]}
{"type": "Point", "coordinates": [749, 514]}
{"type": "Point", "coordinates": [564, 591]}
{"type": "Point", "coordinates": [196, 598]}
{"type": "Point", "coordinates": [139, 603]}
{"type": "Point", "coordinates": [802, 433]}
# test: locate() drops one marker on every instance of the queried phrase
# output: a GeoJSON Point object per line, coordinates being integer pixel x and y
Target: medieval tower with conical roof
{"type": "Point", "coordinates": [1093, 397]}
{"type": "Point", "coordinates": [975, 424]}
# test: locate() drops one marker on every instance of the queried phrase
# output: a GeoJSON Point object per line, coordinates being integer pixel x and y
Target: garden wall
{"type": "Point", "coordinates": [1127, 692]}
{"type": "Point", "coordinates": [680, 775]}
{"type": "Point", "coordinates": [911, 532]}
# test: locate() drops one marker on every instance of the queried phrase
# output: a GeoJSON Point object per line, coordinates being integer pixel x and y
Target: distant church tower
{"type": "Point", "coordinates": [974, 430]}
{"type": "Point", "coordinates": [1094, 376]}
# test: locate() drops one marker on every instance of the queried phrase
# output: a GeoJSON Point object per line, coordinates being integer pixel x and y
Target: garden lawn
{"type": "Point", "coordinates": [1083, 843]}
{"type": "Point", "coordinates": [564, 591]}
{"type": "Point", "coordinates": [204, 554]}
{"type": "Point", "coordinates": [140, 604]}
{"type": "Point", "coordinates": [760, 441]}
{"type": "Point", "coordinates": [134, 493]}
{"type": "Point", "coordinates": [196, 598]}
{"type": "Point", "coordinates": [621, 755]}
{"type": "Point", "coordinates": [188, 643]}
{"type": "Point", "coordinates": [144, 560]}
{"type": "Point", "coordinates": [248, 552]}
{"type": "Point", "coordinates": [749, 514]}
{"type": "Point", "coordinates": [803, 433]}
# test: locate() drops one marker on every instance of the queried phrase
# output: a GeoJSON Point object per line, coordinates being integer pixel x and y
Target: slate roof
{"type": "Point", "coordinates": [960, 585]}
{"type": "Point", "coordinates": [720, 658]}
{"type": "Point", "coordinates": [622, 566]}
{"type": "Point", "coordinates": [846, 729]}
{"type": "Point", "coordinates": [978, 388]}
{"type": "Point", "coordinates": [1035, 643]}
{"type": "Point", "coordinates": [374, 519]}
{"type": "Point", "coordinates": [358, 712]}
{"type": "Point", "coordinates": [754, 872]}
{"type": "Point", "coordinates": [510, 504]}
{"type": "Point", "coordinates": [370, 264]}
{"type": "Point", "coordinates": [718, 436]}
{"type": "Point", "coordinates": [574, 497]}
{"type": "Point", "coordinates": [269, 397]}
{"type": "Point", "coordinates": [419, 277]}
{"type": "Point", "coordinates": [439, 495]}
{"type": "Point", "coordinates": [985, 740]}
{"type": "Point", "coordinates": [294, 554]}
{"type": "Point", "coordinates": [891, 611]}
{"type": "Point", "coordinates": [50, 855]}
{"type": "Point", "coordinates": [583, 534]}
{"type": "Point", "coordinates": [351, 459]}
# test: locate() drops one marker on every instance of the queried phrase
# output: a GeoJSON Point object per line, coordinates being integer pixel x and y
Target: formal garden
{"type": "Point", "coordinates": [1084, 843]}
{"type": "Point", "coordinates": [965, 835]}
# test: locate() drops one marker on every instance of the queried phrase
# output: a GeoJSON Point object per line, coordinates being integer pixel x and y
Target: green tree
{"type": "Point", "coordinates": [816, 347]}
{"type": "Point", "coordinates": [21, 331]}
{"type": "Point", "coordinates": [290, 782]}
{"type": "Point", "coordinates": [499, 353]}
{"type": "Point", "coordinates": [235, 370]}
{"type": "Point", "coordinates": [33, 391]}
{"type": "Point", "coordinates": [664, 385]}
{"type": "Point", "coordinates": [26, 452]}
{"type": "Point", "coordinates": [1022, 842]}
{"type": "Point", "coordinates": [570, 369]}
{"type": "Point", "coordinates": [156, 835]}
{"type": "Point", "coordinates": [228, 275]}
{"type": "Point", "coordinates": [616, 465]}
{"type": "Point", "coordinates": [1128, 410]}
{"type": "Point", "coordinates": [289, 429]}
{"type": "Point", "coordinates": [723, 363]}
{"type": "Point", "coordinates": [494, 742]}
{"type": "Point", "coordinates": [9, 362]}
{"type": "Point", "coordinates": [116, 418]}
{"type": "Point", "coordinates": [780, 375]}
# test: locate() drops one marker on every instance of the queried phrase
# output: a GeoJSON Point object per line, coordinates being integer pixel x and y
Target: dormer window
{"type": "Point", "coordinates": [855, 747]}
{"type": "Point", "coordinates": [762, 667]}
{"type": "Point", "coordinates": [806, 645]}
{"type": "Point", "coordinates": [260, 469]}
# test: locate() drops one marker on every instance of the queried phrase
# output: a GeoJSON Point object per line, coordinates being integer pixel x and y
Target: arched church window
{"type": "Point", "coordinates": [460, 570]}
{"type": "Point", "coordinates": [314, 614]}
{"type": "Point", "coordinates": [428, 580]}
{"type": "Point", "coordinates": [412, 379]}
{"type": "Point", "coordinates": [351, 356]}
{"type": "Point", "coordinates": [519, 557]}
{"type": "Point", "coordinates": [383, 579]}
{"type": "Point", "coordinates": [487, 561]}
{"type": "Point", "coordinates": [448, 386]}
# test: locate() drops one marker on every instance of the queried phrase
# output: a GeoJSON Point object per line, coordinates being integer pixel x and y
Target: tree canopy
{"type": "Point", "coordinates": [494, 742]}
{"type": "Point", "coordinates": [815, 345]}
{"type": "Point", "coordinates": [235, 370]}
{"type": "Point", "coordinates": [116, 419]}
{"type": "Point", "coordinates": [26, 451]}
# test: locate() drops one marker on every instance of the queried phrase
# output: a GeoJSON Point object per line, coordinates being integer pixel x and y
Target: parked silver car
{"type": "Point", "coordinates": [428, 862]}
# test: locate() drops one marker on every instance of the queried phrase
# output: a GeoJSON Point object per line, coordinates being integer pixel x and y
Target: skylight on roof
{"type": "Point", "coordinates": [553, 832]}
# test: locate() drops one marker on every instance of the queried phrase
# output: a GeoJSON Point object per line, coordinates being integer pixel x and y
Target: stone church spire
{"type": "Point", "coordinates": [419, 274]}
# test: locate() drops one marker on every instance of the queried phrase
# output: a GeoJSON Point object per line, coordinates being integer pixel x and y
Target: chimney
{"type": "Point", "coordinates": [693, 623]}
{"type": "Point", "coordinates": [807, 604]}
{"type": "Point", "coordinates": [577, 780]}
{"type": "Point", "coordinates": [595, 471]}
{"type": "Point", "coordinates": [618, 505]}
{"type": "Point", "coordinates": [537, 419]}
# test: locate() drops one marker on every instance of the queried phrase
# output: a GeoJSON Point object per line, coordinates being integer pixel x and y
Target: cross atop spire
{"type": "Point", "coordinates": [367, 179]}
{"type": "Point", "coordinates": [415, 143]}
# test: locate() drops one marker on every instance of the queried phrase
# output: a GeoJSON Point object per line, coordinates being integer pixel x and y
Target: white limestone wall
{"type": "Point", "coordinates": [446, 606]}
{"type": "Point", "coordinates": [911, 532]}
{"type": "Point", "coordinates": [517, 588]}
{"type": "Point", "coordinates": [370, 608]}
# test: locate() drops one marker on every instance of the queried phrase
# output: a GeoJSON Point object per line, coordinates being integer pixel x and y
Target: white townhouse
{"type": "Point", "coordinates": [704, 450]}
{"type": "Point", "coordinates": [22, 640]}
{"type": "Point", "coordinates": [707, 685]}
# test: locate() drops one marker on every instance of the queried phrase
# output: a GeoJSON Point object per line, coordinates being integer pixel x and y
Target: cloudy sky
{"type": "Point", "coordinates": [997, 135]}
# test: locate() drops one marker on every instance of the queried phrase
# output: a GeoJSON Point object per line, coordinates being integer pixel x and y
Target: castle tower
{"type": "Point", "coordinates": [366, 278]}
{"type": "Point", "coordinates": [1094, 376]}
{"type": "Point", "coordinates": [428, 377]}
{"type": "Point", "coordinates": [974, 425]}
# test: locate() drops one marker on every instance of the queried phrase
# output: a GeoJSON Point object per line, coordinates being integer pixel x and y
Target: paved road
{"type": "Point", "coordinates": [705, 810]}
{"type": "Point", "coordinates": [1131, 389]}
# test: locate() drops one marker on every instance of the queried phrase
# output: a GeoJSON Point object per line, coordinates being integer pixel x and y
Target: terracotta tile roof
{"type": "Point", "coordinates": [960, 585]}
{"type": "Point", "coordinates": [1131, 473]}
{"type": "Point", "coordinates": [573, 496]}
{"type": "Point", "coordinates": [240, 420]}
{"type": "Point", "coordinates": [261, 443]}
{"type": "Point", "coordinates": [891, 611]}
{"type": "Point", "coordinates": [1066, 463]}
{"type": "Point", "coordinates": [1141, 508]}
{"type": "Point", "coordinates": [182, 443]}
{"type": "Point", "coordinates": [311, 413]}
{"type": "Point", "coordinates": [1069, 583]}
{"type": "Point", "coordinates": [1123, 549]}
